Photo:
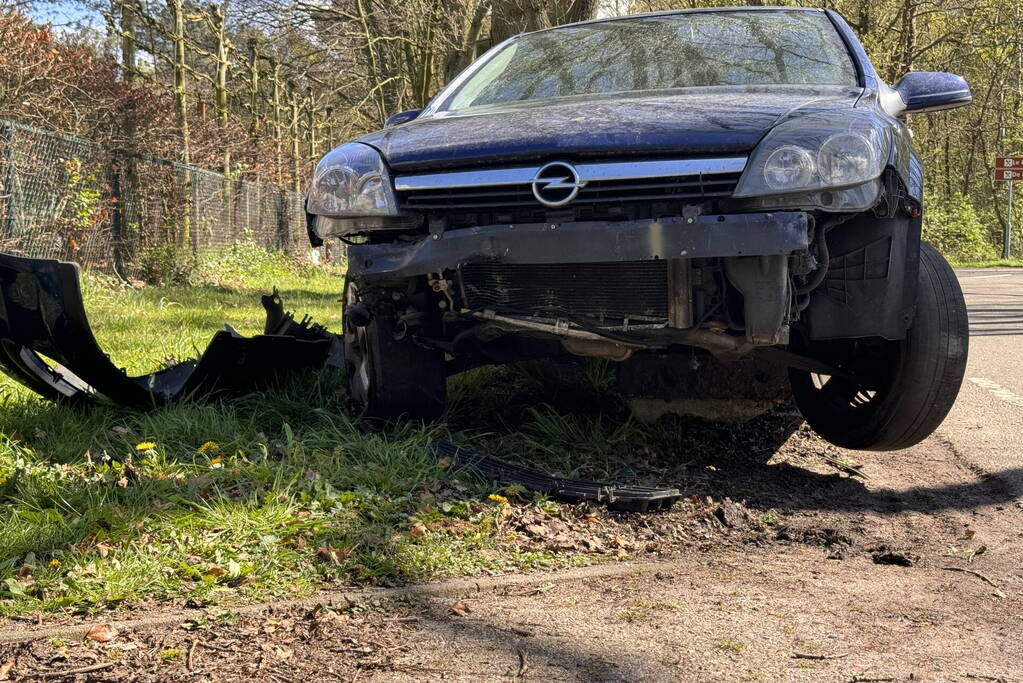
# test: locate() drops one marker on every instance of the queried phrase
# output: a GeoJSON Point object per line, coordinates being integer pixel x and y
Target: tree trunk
{"type": "Point", "coordinates": [460, 58]}
{"type": "Point", "coordinates": [510, 17]}
{"type": "Point", "coordinates": [278, 124]}
{"type": "Point", "coordinates": [311, 124]}
{"type": "Point", "coordinates": [129, 63]}
{"type": "Point", "coordinates": [181, 104]}
{"type": "Point", "coordinates": [218, 22]}
{"type": "Point", "coordinates": [296, 169]}
{"type": "Point", "coordinates": [253, 88]}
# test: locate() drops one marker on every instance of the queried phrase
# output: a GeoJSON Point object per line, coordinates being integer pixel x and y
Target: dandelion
{"type": "Point", "coordinates": [145, 446]}
{"type": "Point", "coordinates": [54, 562]}
{"type": "Point", "coordinates": [498, 498]}
{"type": "Point", "coordinates": [209, 447]}
{"type": "Point", "coordinates": [216, 461]}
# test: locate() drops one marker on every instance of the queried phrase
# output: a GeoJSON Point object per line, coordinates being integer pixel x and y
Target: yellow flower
{"type": "Point", "coordinates": [145, 446]}
{"type": "Point", "coordinates": [497, 498]}
{"type": "Point", "coordinates": [216, 461]}
{"type": "Point", "coordinates": [55, 562]}
{"type": "Point", "coordinates": [209, 447]}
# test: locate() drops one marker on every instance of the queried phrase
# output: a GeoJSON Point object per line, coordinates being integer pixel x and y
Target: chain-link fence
{"type": "Point", "coordinates": [72, 199]}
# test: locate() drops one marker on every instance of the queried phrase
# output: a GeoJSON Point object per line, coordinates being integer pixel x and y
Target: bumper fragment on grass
{"type": "Point", "coordinates": [42, 316]}
{"type": "Point", "coordinates": [623, 498]}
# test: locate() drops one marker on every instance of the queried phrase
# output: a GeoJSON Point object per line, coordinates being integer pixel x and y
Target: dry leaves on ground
{"type": "Point", "coordinates": [461, 609]}
{"type": "Point", "coordinates": [102, 633]}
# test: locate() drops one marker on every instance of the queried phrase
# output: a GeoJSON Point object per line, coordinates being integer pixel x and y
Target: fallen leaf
{"type": "Point", "coordinates": [102, 633]}
{"type": "Point", "coordinates": [216, 570]}
{"type": "Point", "coordinates": [461, 609]}
{"type": "Point", "coordinates": [331, 554]}
{"type": "Point", "coordinates": [537, 530]}
{"type": "Point", "coordinates": [5, 669]}
{"type": "Point", "coordinates": [418, 529]}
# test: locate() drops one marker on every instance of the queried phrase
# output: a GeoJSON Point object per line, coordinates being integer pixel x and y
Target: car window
{"type": "Point", "coordinates": [663, 52]}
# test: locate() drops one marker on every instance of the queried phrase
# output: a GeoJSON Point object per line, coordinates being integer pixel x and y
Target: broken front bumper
{"type": "Point", "coordinates": [676, 237]}
{"type": "Point", "coordinates": [42, 312]}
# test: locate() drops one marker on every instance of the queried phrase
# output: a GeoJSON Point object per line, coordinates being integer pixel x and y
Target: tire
{"type": "Point", "coordinates": [899, 391]}
{"type": "Point", "coordinates": [392, 377]}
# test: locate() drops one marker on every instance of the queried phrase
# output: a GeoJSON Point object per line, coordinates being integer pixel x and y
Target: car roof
{"type": "Point", "coordinates": [672, 12]}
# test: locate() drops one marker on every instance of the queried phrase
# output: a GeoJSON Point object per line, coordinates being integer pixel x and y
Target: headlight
{"type": "Point", "coordinates": [351, 181]}
{"type": "Point", "coordinates": [788, 167]}
{"type": "Point", "coordinates": [846, 156]}
{"type": "Point", "coordinates": [817, 151]}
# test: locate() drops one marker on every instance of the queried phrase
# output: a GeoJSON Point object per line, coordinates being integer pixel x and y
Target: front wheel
{"type": "Point", "coordinates": [895, 393]}
{"type": "Point", "coordinates": [389, 373]}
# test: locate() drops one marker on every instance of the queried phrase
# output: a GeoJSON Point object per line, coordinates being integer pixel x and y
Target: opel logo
{"type": "Point", "coordinates": [556, 184]}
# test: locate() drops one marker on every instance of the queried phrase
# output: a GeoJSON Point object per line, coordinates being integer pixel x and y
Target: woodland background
{"type": "Point", "coordinates": [259, 89]}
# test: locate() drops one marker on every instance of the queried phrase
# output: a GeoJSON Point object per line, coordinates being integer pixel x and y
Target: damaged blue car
{"type": "Point", "coordinates": [724, 202]}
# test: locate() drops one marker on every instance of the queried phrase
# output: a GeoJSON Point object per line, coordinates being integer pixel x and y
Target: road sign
{"type": "Point", "coordinates": [1008, 174]}
{"type": "Point", "coordinates": [1008, 169]}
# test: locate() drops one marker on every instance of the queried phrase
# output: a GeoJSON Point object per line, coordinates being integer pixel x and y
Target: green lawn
{"type": "Point", "coordinates": [285, 492]}
{"type": "Point", "coordinates": [274, 494]}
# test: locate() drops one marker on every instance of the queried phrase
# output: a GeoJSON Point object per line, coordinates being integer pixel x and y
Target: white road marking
{"type": "Point", "coordinates": [999, 391]}
{"type": "Point", "coordinates": [984, 277]}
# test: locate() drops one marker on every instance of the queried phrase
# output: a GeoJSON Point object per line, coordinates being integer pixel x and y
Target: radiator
{"type": "Point", "coordinates": [605, 291]}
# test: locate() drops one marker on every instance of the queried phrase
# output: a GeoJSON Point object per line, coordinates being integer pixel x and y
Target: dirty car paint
{"type": "Point", "coordinates": [700, 121]}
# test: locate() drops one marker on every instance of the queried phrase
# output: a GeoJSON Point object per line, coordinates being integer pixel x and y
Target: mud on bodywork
{"type": "Point", "coordinates": [42, 316]}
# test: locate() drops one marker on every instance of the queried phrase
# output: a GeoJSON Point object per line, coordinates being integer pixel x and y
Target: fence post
{"type": "Point", "coordinates": [10, 207]}
{"type": "Point", "coordinates": [117, 214]}
{"type": "Point", "coordinates": [283, 227]}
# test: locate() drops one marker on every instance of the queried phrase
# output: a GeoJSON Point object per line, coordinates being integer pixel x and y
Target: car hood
{"type": "Point", "coordinates": [716, 121]}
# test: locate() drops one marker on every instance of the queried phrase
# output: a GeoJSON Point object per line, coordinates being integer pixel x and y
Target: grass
{"type": "Point", "coordinates": [1000, 263]}
{"type": "Point", "coordinates": [284, 492]}
{"type": "Point", "coordinates": [274, 494]}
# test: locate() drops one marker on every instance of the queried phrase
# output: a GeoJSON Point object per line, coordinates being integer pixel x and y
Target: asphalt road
{"type": "Point", "coordinates": [986, 425]}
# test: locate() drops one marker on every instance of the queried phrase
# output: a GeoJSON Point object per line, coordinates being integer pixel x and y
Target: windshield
{"type": "Point", "coordinates": [736, 48]}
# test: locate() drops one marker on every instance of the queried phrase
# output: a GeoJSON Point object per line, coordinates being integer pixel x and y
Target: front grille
{"type": "Point", "coordinates": [514, 198]}
{"type": "Point", "coordinates": [608, 292]}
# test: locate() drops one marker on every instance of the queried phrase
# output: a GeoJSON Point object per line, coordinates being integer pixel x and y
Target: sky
{"type": "Point", "coordinates": [64, 14]}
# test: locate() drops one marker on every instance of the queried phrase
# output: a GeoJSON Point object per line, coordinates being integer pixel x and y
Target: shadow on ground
{"type": "Point", "coordinates": [566, 417]}
{"type": "Point", "coordinates": [300, 494]}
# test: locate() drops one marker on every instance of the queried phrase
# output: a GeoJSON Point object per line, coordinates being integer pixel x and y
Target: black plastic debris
{"type": "Point", "coordinates": [46, 343]}
{"type": "Point", "coordinates": [42, 314]}
{"type": "Point", "coordinates": [623, 498]}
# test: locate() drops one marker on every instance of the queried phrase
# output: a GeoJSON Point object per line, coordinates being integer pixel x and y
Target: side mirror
{"type": "Point", "coordinates": [924, 91]}
{"type": "Point", "coordinates": [401, 117]}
